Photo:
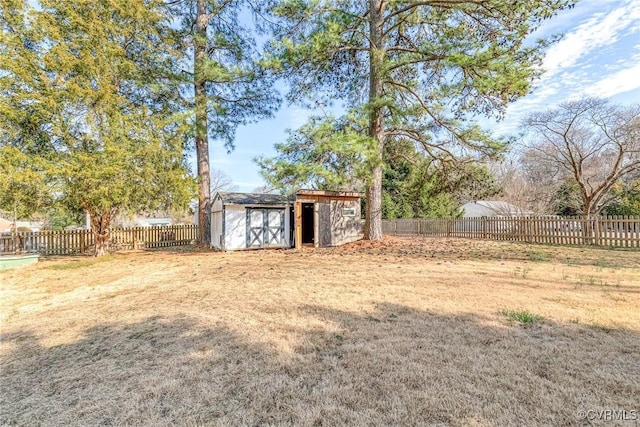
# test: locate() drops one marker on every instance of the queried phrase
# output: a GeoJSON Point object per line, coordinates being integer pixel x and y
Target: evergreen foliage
{"type": "Point", "coordinates": [627, 201]}
{"type": "Point", "coordinates": [89, 89]}
{"type": "Point", "coordinates": [326, 153]}
{"type": "Point", "coordinates": [416, 186]}
{"type": "Point", "coordinates": [419, 71]}
{"type": "Point", "coordinates": [228, 85]}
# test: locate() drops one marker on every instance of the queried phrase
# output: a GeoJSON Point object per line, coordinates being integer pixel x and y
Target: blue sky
{"type": "Point", "coordinates": [599, 55]}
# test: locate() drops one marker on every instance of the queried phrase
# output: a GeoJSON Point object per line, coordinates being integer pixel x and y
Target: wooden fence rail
{"type": "Point", "coordinates": [82, 241]}
{"type": "Point", "coordinates": [616, 231]}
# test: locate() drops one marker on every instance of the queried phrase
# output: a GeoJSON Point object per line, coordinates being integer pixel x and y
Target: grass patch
{"type": "Point", "coordinates": [539, 256]}
{"type": "Point", "coordinates": [373, 333]}
{"type": "Point", "coordinates": [522, 316]}
{"type": "Point", "coordinates": [70, 265]}
{"type": "Point", "coordinates": [600, 327]}
{"type": "Point", "coordinates": [74, 264]}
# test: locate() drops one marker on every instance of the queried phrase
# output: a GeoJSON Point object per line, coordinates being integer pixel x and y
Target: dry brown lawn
{"type": "Point", "coordinates": [402, 332]}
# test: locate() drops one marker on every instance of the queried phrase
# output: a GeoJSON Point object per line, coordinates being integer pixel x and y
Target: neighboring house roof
{"type": "Point", "coordinates": [153, 221]}
{"type": "Point", "coordinates": [253, 199]}
{"type": "Point", "coordinates": [496, 207]}
{"type": "Point", "coordinates": [6, 225]}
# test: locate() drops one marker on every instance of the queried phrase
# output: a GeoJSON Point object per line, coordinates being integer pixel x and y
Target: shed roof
{"type": "Point", "coordinates": [253, 199]}
{"type": "Point", "coordinates": [326, 193]}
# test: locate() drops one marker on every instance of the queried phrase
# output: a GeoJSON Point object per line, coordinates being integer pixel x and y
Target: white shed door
{"type": "Point", "coordinates": [275, 227]}
{"type": "Point", "coordinates": [265, 228]}
{"type": "Point", "coordinates": [255, 228]}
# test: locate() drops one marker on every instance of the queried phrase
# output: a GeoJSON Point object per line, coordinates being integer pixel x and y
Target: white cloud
{"type": "Point", "coordinates": [624, 80]}
{"type": "Point", "coordinates": [583, 62]}
{"type": "Point", "coordinates": [222, 160]}
{"type": "Point", "coordinates": [598, 31]}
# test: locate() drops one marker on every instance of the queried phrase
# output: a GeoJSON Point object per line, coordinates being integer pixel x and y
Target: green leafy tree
{"type": "Point", "coordinates": [627, 200]}
{"type": "Point", "coordinates": [418, 70]}
{"type": "Point", "coordinates": [89, 88]}
{"type": "Point", "coordinates": [60, 217]}
{"type": "Point", "coordinates": [416, 186]}
{"type": "Point", "coordinates": [566, 200]}
{"type": "Point", "coordinates": [23, 188]}
{"type": "Point", "coordinates": [229, 85]}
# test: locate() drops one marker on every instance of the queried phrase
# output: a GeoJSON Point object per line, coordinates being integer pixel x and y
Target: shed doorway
{"type": "Point", "coordinates": [308, 223]}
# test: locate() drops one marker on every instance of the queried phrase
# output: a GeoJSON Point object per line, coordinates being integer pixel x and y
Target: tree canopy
{"type": "Point", "coordinates": [228, 84]}
{"type": "Point", "coordinates": [419, 71]}
{"type": "Point", "coordinates": [89, 90]}
{"type": "Point", "coordinates": [418, 186]}
{"type": "Point", "coordinates": [589, 145]}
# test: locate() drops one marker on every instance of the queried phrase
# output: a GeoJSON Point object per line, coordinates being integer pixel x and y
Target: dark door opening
{"type": "Point", "coordinates": [308, 226]}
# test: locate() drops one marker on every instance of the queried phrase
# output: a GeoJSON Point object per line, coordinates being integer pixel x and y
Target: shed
{"type": "Point", "coordinates": [250, 221]}
{"type": "Point", "coordinates": [327, 218]}
{"type": "Point", "coordinates": [482, 208]}
{"type": "Point", "coordinates": [307, 218]}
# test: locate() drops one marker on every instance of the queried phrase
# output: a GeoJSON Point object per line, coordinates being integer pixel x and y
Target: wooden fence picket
{"type": "Point", "coordinates": [81, 241]}
{"type": "Point", "coordinates": [613, 231]}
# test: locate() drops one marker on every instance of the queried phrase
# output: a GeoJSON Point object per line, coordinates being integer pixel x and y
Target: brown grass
{"type": "Point", "coordinates": [404, 331]}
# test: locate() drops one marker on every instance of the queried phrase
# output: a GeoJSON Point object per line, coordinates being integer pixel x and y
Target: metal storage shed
{"type": "Point", "coordinates": [250, 221]}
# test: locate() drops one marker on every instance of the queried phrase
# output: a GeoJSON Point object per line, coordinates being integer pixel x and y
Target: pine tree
{"type": "Point", "coordinates": [419, 70]}
{"type": "Point", "coordinates": [229, 84]}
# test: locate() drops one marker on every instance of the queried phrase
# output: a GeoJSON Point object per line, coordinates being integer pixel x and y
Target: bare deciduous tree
{"type": "Point", "coordinates": [591, 141]}
{"type": "Point", "coordinates": [220, 181]}
{"type": "Point", "coordinates": [520, 187]}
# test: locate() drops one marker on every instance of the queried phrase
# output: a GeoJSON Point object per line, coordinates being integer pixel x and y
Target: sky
{"type": "Point", "coordinates": [598, 55]}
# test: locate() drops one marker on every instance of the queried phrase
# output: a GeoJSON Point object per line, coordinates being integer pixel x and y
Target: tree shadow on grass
{"type": "Point", "coordinates": [392, 366]}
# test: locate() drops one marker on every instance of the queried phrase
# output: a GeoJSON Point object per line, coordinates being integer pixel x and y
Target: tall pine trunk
{"type": "Point", "coordinates": [202, 138]}
{"type": "Point", "coordinates": [373, 214]}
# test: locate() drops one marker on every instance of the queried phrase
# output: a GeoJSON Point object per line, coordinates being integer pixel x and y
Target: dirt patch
{"type": "Point", "coordinates": [403, 331]}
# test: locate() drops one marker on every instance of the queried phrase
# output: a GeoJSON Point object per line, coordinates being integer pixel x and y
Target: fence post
{"type": "Point", "coordinates": [483, 227]}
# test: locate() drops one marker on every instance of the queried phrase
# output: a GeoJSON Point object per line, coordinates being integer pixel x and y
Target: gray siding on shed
{"type": "Point", "coordinates": [345, 229]}
{"type": "Point", "coordinates": [324, 225]}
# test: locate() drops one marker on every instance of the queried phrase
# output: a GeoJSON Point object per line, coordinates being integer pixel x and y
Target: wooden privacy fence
{"type": "Point", "coordinates": [618, 231]}
{"type": "Point", "coordinates": [81, 241]}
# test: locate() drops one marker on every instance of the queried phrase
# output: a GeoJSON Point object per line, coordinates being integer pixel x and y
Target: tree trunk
{"type": "Point", "coordinates": [100, 222]}
{"type": "Point", "coordinates": [373, 214]}
{"type": "Point", "coordinates": [593, 229]}
{"type": "Point", "coordinates": [202, 137]}
{"type": "Point", "coordinates": [102, 243]}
